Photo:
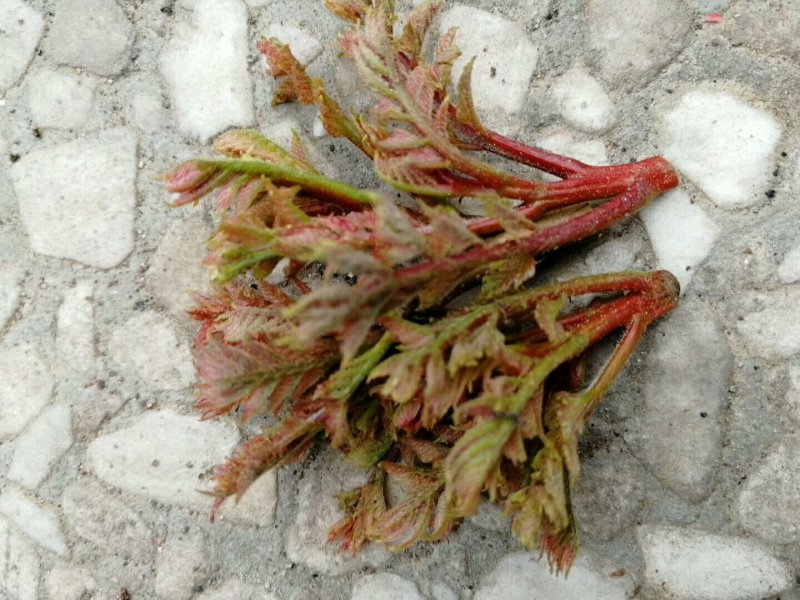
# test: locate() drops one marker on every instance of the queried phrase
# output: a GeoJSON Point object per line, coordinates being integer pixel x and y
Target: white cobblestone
{"type": "Point", "coordinates": [37, 522]}
{"type": "Point", "coordinates": [106, 521]}
{"type": "Point", "coordinates": [774, 330]}
{"type": "Point", "coordinates": [681, 232]}
{"type": "Point", "coordinates": [304, 45]}
{"type": "Point", "coordinates": [59, 99]}
{"type": "Point", "coordinates": [722, 144]}
{"type": "Point", "coordinates": [182, 564]}
{"type": "Point", "coordinates": [19, 564]}
{"type": "Point", "coordinates": [9, 291]}
{"type": "Point", "coordinates": [236, 590]}
{"type": "Point", "coordinates": [257, 506]}
{"type": "Point", "coordinates": [685, 390]}
{"type": "Point", "coordinates": [163, 456]}
{"type": "Point", "coordinates": [770, 499]}
{"type": "Point", "coordinates": [75, 328]}
{"type": "Point", "coordinates": [497, 82]}
{"type": "Point", "coordinates": [92, 34]}
{"type": "Point", "coordinates": [695, 565]}
{"type": "Point", "coordinates": [205, 64]}
{"type": "Point", "coordinates": [789, 269]}
{"type": "Point", "coordinates": [81, 205]}
{"type": "Point", "coordinates": [19, 36]}
{"type": "Point", "coordinates": [583, 102]}
{"type": "Point", "coordinates": [150, 352]}
{"type": "Point", "coordinates": [24, 388]}
{"type": "Point", "coordinates": [41, 445]}
{"type": "Point", "coordinates": [384, 586]}
{"type": "Point", "coordinates": [524, 576]}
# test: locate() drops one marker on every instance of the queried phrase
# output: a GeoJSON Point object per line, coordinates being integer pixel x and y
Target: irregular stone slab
{"type": "Point", "coordinates": [19, 36]}
{"type": "Point", "coordinates": [696, 565]}
{"type": "Point", "coordinates": [788, 271]}
{"type": "Point", "coordinates": [60, 100]}
{"type": "Point", "coordinates": [774, 331]}
{"type": "Point", "coordinates": [145, 102]}
{"type": "Point", "coordinates": [38, 523]}
{"type": "Point", "coordinates": [38, 449]}
{"type": "Point", "coordinates": [236, 590]}
{"type": "Point", "coordinates": [524, 576]}
{"type": "Point", "coordinates": [685, 389]}
{"type": "Point", "coordinates": [385, 586]}
{"type": "Point", "coordinates": [25, 387]}
{"type": "Point", "coordinates": [766, 26]}
{"type": "Point", "coordinates": [205, 65]}
{"type": "Point", "coordinates": [681, 232]}
{"type": "Point", "coordinates": [105, 520]}
{"type": "Point", "coordinates": [770, 499]}
{"type": "Point", "coordinates": [317, 510]}
{"type": "Point", "coordinates": [70, 583]}
{"type": "Point", "coordinates": [499, 82]}
{"type": "Point", "coordinates": [81, 206]}
{"type": "Point", "coordinates": [629, 46]}
{"type": "Point", "coordinates": [257, 506]}
{"type": "Point", "coordinates": [19, 564]}
{"type": "Point", "coordinates": [75, 328]}
{"type": "Point", "coordinates": [722, 144]}
{"type": "Point", "coordinates": [442, 592]}
{"type": "Point", "coordinates": [181, 566]}
{"type": "Point", "coordinates": [583, 102]}
{"type": "Point", "coordinates": [93, 34]}
{"type": "Point", "coordinates": [9, 292]}
{"type": "Point", "coordinates": [163, 456]}
{"type": "Point", "coordinates": [305, 47]}
{"type": "Point", "coordinates": [175, 268]}
{"type": "Point", "coordinates": [149, 351]}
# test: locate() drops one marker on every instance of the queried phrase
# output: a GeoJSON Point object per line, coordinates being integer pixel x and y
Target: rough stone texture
{"type": "Point", "coordinates": [70, 583]}
{"type": "Point", "coordinates": [24, 388]}
{"type": "Point", "coordinates": [773, 328]}
{"type": "Point", "coordinates": [106, 521]}
{"type": "Point", "coordinates": [685, 390]}
{"type": "Point", "coordinates": [37, 522]}
{"type": "Point", "coordinates": [9, 292]}
{"type": "Point", "coordinates": [19, 36]}
{"type": "Point", "coordinates": [768, 26]}
{"type": "Point", "coordinates": [523, 576]}
{"type": "Point", "coordinates": [93, 34]}
{"type": "Point", "coordinates": [628, 44]}
{"type": "Point", "coordinates": [681, 232]}
{"type": "Point", "coordinates": [583, 102]}
{"type": "Point", "coordinates": [19, 565]}
{"type": "Point", "coordinates": [317, 510]}
{"type": "Point", "coordinates": [162, 456]}
{"type": "Point", "coordinates": [384, 586]}
{"type": "Point", "coordinates": [205, 64]}
{"type": "Point", "coordinates": [691, 564]}
{"type": "Point", "coordinates": [81, 205]}
{"type": "Point", "coordinates": [59, 99]}
{"type": "Point", "coordinates": [175, 268]}
{"type": "Point", "coordinates": [723, 145]}
{"type": "Point", "coordinates": [770, 498]}
{"type": "Point", "coordinates": [182, 564]}
{"type": "Point", "coordinates": [75, 328]}
{"type": "Point", "coordinates": [497, 83]}
{"type": "Point", "coordinates": [96, 375]}
{"type": "Point", "coordinates": [150, 352]}
{"type": "Point", "coordinates": [41, 445]}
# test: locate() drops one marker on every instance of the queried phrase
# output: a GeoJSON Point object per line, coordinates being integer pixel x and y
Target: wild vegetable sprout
{"type": "Point", "coordinates": [455, 402]}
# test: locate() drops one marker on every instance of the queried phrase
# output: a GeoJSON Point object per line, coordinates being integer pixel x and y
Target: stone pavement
{"type": "Point", "coordinates": [691, 484]}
